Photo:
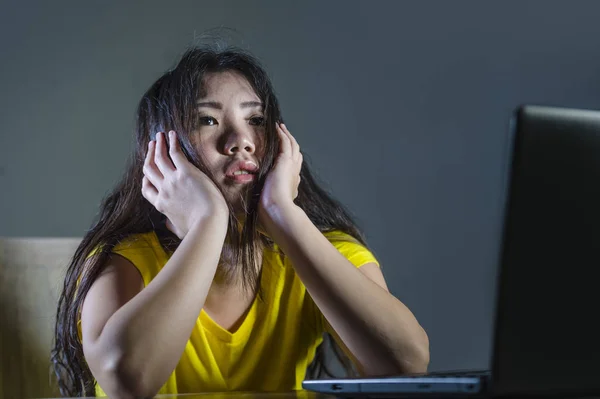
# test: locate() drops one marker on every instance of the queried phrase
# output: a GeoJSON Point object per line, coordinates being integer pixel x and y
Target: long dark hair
{"type": "Point", "coordinates": [170, 104]}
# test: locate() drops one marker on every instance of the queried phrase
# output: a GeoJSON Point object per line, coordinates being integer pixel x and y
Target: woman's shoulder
{"type": "Point", "coordinates": [133, 242]}
{"type": "Point", "coordinates": [349, 246]}
{"type": "Point", "coordinates": [143, 250]}
{"type": "Point", "coordinates": [138, 242]}
{"type": "Point", "coordinates": [340, 236]}
{"type": "Point", "coordinates": [352, 249]}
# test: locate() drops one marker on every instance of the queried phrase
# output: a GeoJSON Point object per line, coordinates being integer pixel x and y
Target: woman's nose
{"type": "Point", "coordinates": [240, 141]}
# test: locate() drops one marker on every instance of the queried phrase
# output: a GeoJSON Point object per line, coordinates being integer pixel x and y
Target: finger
{"type": "Point", "coordinates": [179, 160]}
{"type": "Point", "coordinates": [295, 145]}
{"type": "Point", "coordinates": [297, 155]}
{"type": "Point", "coordinates": [161, 157]}
{"type": "Point", "coordinates": [285, 143]}
{"type": "Point", "coordinates": [150, 170]}
{"type": "Point", "coordinates": [149, 191]}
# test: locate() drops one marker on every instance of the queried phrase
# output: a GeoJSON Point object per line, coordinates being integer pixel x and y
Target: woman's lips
{"type": "Point", "coordinates": [242, 178]}
{"type": "Point", "coordinates": [241, 171]}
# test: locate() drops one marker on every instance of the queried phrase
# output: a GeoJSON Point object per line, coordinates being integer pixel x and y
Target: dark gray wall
{"type": "Point", "coordinates": [402, 107]}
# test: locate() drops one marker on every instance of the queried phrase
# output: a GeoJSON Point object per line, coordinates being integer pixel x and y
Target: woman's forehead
{"type": "Point", "coordinates": [226, 86]}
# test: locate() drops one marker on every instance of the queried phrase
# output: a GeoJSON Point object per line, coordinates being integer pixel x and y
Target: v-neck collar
{"type": "Point", "coordinates": [241, 333]}
{"type": "Point", "coordinates": [205, 322]}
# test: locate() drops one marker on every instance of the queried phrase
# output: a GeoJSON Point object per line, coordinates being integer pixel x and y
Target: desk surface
{"type": "Point", "coordinates": [274, 395]}
{"type": "Point", "coordinates": [245, 395]}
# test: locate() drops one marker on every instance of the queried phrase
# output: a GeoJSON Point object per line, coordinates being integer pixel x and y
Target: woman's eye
{"type": "Point", "coordinates": [257, 121]}
{"type": "Point", "coordinates": [207, 121]}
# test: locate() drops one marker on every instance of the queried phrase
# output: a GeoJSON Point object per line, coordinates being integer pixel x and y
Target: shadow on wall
{"type": "Point", "coordinates": [31, 273]}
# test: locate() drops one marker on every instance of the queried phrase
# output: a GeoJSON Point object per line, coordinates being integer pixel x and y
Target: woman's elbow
{"type": "Point", "coordinates": [118, 379]}
{"type": "Point", "coordinates": [418, 361]}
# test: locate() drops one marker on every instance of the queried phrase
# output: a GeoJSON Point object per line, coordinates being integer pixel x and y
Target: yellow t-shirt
{"type": "Point", "coordinates": [276, 341]}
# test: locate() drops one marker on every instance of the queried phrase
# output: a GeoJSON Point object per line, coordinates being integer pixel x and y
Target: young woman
{"type": "Point", "coordinates": [218, 263]}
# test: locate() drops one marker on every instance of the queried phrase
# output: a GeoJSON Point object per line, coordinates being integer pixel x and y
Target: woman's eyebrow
{"type": "Point", "coordinates": [251, 104]}
{"type": "Point", "coordinates": [218, 105]}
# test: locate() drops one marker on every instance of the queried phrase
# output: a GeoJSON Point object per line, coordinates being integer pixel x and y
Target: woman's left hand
{"type": "Point", "coordinates": [281, 185]}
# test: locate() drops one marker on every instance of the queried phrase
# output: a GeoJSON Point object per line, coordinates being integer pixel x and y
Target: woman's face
{"type": "Point", "coordinates": [230, 133]}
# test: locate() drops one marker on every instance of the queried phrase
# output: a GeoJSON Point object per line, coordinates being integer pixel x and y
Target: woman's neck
{"type": "Point", "coordinates": [231, 273]}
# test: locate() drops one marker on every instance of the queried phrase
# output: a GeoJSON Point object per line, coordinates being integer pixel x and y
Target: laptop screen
{"type": "Point", "coordinates": [547, 335]}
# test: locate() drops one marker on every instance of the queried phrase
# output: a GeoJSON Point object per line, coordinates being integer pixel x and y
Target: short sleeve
{"type": "Point", "coordinates": [355, 252]}
{"type": "Point", "coordinates": [145, 253]}
{"type": "Point", "coordinates": [352, 249]}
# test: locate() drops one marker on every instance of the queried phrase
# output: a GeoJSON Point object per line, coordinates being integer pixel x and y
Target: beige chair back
{"type": "Point", "coordinates": [31, 274]}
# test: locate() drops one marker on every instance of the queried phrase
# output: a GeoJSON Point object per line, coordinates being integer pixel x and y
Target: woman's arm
{"type": "Point", "coordinates": [134, 337]}
{"type": "Point", "coordinates": [381, 333]}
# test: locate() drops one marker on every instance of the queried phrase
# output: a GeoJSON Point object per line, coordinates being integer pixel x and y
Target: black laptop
{"type": "Point", "coordinates": [547, 323]}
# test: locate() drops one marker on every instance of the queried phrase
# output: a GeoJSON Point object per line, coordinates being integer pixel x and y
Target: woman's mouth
{"type": "Point", "coordinates": [241, 177]}
{"type": "Point", "coordinates": [241, 171]}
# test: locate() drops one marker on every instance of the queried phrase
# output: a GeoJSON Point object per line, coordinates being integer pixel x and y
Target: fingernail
{"type": "Point", "coordinates": [171, 133]}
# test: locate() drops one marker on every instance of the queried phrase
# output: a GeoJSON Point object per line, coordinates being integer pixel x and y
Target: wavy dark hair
{"type": "Point", "coordinates": [170, 103]}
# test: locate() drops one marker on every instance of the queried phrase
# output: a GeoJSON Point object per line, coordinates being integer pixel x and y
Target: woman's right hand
{"type": "Point", "coordinates": [177, 189]}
